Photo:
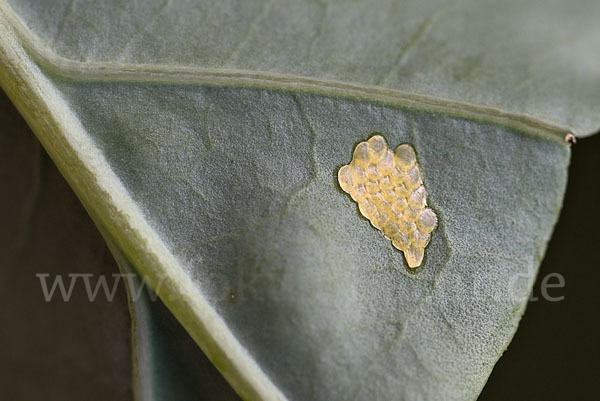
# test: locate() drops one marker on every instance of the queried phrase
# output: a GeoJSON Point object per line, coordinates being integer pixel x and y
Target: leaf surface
{"type": "Point", "coordinates": [535, 58]}
{"type": "Point", "coordinates": [205, 141]}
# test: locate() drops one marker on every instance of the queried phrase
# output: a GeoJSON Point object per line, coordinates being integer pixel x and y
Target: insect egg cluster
{"type": "Point", "coordinates": [389, 191]}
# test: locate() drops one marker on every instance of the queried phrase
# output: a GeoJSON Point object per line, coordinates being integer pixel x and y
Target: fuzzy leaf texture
{"type": "Point", "coordinates": [204, 139]}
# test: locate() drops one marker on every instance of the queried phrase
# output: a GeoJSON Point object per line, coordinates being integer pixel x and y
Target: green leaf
{"type": "Point", "coordinates": [205, 140]}
{"type": "Point", "coordinates": [46, 231]}
{"type": "Point", "coordinates": [167, 363]}
{"type": "Point", "coordinates": [533, 58]}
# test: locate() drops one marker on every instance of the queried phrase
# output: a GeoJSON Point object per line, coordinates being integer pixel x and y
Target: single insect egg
{"type": "Point", "coordinates": [413, 178]}
{"type": "Point", "coordinates": [419, 238]}
{"type": "Point", "coordinates": [389, 195]}
{"type": "Point", "coordinates": [379, 219]}
{"type": "Point", "coordinates": [397, 175]}
{"type": "Point", "coordinates": [410, 213]}
{"type": "Point", "coordinates": [359, 192]}
{"type": "Point", "coordinates": [385, 182]}
{"type": "Point", "coordinates": [376, 198]}
{"type": "Point", "coordinates": [387, 163]}
{"type": "Point", "coordinates": [372, 171]}
{"type": "Point", "coordinates": [418, 199]}
{"type": "Point", "coordinates": [401, 240]}
{"type": "Point", "coordinates": [406, 226]}
{"type": "Point", "coordinates": [361, 155]}
{"type": "Point", "coordinates": [359, 174]}
{"type": "Point", "coordinates": [345, 178]}
{"type": "Point", "coordinates": [414, 255]}
{"type": "Point", "coordinates": [367, 208]}
{"type": "Point", "coordinates": [399, 206]}
{"type": "Point", "coordinates": [427, 220]}
{"type": "Point", "coordinates": [402, 191]}
{"type": "Point", "coordinates": [391, 229]}
{"type": "Point", "coordinates": [385, 208]}
{"type": "Point", "coordinates": [377, 148]}
{"type": "Point", "coordinates": [372, 187]}
{"type": "Point", "coordinates": [405, 156]}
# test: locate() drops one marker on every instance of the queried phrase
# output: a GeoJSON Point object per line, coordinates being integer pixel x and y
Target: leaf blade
{"type": "Point", "coordinates": [161, 222]}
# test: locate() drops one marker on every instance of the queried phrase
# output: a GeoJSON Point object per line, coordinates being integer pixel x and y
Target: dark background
{"type": "Point", "coordinates": [81, 350]}
{"type": "Point", "coordinates": [555, 354]}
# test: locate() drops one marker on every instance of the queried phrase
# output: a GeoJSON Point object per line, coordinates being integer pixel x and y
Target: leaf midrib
{"type": "Point", "coordinates": [74, 70]}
